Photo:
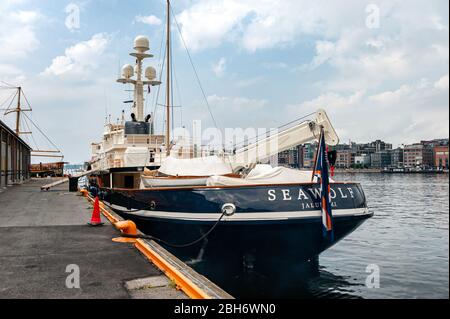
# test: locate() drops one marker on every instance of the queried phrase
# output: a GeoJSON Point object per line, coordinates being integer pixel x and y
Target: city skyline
{"type": "Point", "coordinates": [378, 154]}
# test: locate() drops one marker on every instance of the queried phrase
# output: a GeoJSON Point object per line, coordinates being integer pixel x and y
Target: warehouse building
{"type": "Point", "coordinates": [15, 156]}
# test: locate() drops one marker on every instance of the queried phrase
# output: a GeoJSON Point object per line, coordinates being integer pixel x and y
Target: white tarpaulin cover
{"type": "Point", "coordinates": [264, 174]}
{"type": "Point", "coordinates": [201, 166]}
{"type": "Point", "coordinates": [136, 156]}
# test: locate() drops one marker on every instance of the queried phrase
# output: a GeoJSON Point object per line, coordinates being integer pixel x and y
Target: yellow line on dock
{"type": "Point", "coordinates": [187, 286]}
{"type": "Point", "coordinates": [181, 281]}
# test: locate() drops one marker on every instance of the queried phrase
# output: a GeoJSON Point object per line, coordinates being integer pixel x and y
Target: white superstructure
{"type": "Point", "coordinates": [132, 143]}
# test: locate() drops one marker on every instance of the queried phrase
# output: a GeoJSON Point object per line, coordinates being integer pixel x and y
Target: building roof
{"type": "Point", "coordinates": [6, 128]}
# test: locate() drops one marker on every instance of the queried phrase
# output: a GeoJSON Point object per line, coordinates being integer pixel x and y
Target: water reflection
{"type": "Point", "coordinates": [305, 280]}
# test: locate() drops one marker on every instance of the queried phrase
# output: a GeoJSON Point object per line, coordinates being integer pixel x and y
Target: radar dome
{"type": "Point", "coordinates": [150, 73]}
{"type": "Point", "coordinates": [141, 44]}
{"type": "Point", "coordinates": [127, 71]}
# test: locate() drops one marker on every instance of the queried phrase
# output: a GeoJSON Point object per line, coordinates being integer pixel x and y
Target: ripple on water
{"type": "Point", "coordinates": [407, 238]}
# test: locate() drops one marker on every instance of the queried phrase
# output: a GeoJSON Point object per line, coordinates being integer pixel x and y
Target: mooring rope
{"type": "Point", "coordinates": [159, 240]}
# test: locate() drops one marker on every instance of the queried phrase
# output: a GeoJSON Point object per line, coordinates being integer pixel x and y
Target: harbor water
{"type": "Point", "coordinates": [406, 243]}
{"type": "Point", "coordinates": [408, 239]}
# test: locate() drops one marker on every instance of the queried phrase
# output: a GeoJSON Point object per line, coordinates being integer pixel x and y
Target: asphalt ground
{"type": "Point", "coordinates": [45, 240]}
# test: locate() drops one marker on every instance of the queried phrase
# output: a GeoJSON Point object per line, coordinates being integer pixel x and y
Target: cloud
{"type": "Point", "coordinates": [243, 83]}
{"type": "Point", "coordinates": [8, 4]}
{"type": "Point", "coordinates": [391, 97]}
{"type": "Point", "coordinates": [265, 24]}
{"type": "Point", "coordinates": [442, 83]}
{"type": "Point", "coordinates": [26, 17]}
{"type": "Point", "coordinates": [409, 113]}
{"type": "Point", "coordinates": [235, 103]}
{"type": "Point", "coordinates": [17, 32]}
{"type": "Point", "coordinates": [325, 50]}
{"type": "Point", "coordinates": [220, 67]}
{"type": "Point", "coordinates": [80, 58]}
{"type": "Point", "coordinates": [206, 23]}
{"type": "Point", "coordinates": [150, 20]}
{"type": "Point", "coordinates": [18, 43]}
{"type": "Point", "coordinates": [359, 60]}
{"type": "Point", "coordinates": [228, 111]}
{"type": "Point", "coordinates": [11, 73]}
{"type": "Point", "coordinates": [411, 42]}
{"type": "Point", "coordinates": [274, 65]}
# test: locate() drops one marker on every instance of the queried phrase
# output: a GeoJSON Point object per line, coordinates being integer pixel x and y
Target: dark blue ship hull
{"type": "Point", "coordinates": [275, 226]}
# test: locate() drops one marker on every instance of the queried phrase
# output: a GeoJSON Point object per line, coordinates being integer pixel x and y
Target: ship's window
{"type": "Point", "coordinates": [129, 182]}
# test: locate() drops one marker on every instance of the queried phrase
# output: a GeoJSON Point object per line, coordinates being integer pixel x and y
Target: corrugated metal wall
{"type": "Point", "coordinates": [15, 157]}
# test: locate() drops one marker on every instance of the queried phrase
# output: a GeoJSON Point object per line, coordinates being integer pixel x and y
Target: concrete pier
{"type": "Point", "coordinates": [42, 233]}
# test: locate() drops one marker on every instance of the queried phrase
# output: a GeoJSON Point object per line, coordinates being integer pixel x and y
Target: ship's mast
{"type": "Point", "coordinates": [168, 82]}
{"type": "Point", "coordinates": [18, 109]}
{"type": "Point", "coordinates": [139, 90]}
{"type": "Point", "coordinates": [19, 91]}
{"type": "Point", "coordinates": [29, 123]}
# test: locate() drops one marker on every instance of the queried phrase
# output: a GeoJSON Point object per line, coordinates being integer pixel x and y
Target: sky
{"type": "Point", "coordinates": [379, 68]}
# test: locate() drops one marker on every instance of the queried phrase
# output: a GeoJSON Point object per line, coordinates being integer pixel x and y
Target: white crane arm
{"type": "Point", "coordinates": [301, 133]}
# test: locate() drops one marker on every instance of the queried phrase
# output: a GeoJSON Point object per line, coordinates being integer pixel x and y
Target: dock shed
{"type": "Point", "coordinates": [15, 157]}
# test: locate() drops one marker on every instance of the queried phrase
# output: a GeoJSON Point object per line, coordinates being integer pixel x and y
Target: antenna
{"type": "Point", "coordinates": [106, 101]}
{"type": "Point", "coordinates": [118, 69]}
{"type": "Point", "coordinates": [133, 75]}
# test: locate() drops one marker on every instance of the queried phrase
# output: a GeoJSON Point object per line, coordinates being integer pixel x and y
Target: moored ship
{"type": "Point", "coordinates": [234, 212]}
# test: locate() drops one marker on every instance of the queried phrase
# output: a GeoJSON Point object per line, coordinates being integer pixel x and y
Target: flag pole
{"type": "Point", "coordinates": [316, 156]}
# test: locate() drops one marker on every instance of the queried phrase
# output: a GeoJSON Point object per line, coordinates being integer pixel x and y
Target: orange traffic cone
{"type": "Point", "coordinates": [95, 219]}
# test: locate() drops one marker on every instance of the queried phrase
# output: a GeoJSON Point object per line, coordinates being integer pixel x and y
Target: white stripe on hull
{"type": "Point", "coordinates": [257, 216]}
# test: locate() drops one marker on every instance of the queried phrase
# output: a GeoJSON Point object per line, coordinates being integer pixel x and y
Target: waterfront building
{"type": "Point", "coordinates": [440, 156]}
{"type": "Point", "coordinates": [342, 147]}
{"type": "Point", "coordinates": [436, 142]}
{"type": "Point", "coordinates": [291, 158]}
{"type": "Point", "coordinates": [372, 147]}
{"type": "Point", "coordinates": [365, 149]}
{"type": "Point", "coordinates": [15, 157]}
{"type": "Point", "coordinates": [362, 160]}
{"type": "Point", "coordinates": [397, 157]}
{"type": "Point", "coordinates": [418, 155]}
{"type": "Point", "coordinates": [309, 152]}
{"type": "Point", "coordinates": [381, 146]}
{"type": "Point", "coordinates": [345, 158]}
{"type": "Point", "coordinates": [300, 156]}
{"type": "Point", "coordinates": [380, 159]}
